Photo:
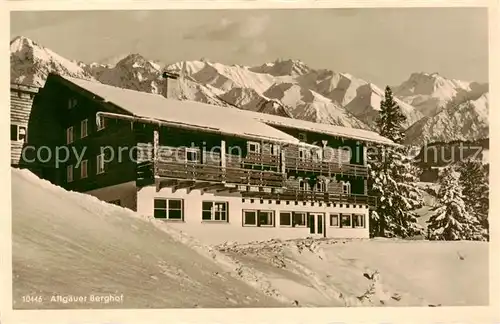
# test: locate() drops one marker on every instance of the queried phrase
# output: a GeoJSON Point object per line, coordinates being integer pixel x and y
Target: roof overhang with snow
{"type": "Point", "coordinates": [332, 130]}
{"type": "Point", "coordinates": [184, 114]}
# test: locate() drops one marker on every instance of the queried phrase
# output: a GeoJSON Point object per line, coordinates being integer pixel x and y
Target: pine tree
{"type": "Point", "coordinates": [390, 118]}
{"type": "Point", "coordinates": [474, 180]}
{"type": "Point", "coordinates": [393, 178]}
{"type": "Point", "coordinates": [451, 219]}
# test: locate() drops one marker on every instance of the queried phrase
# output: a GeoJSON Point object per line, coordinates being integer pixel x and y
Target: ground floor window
{"type": "Point", "coordinates": [293, 219]}
{"type": "Point", "coordinates": [334, 220]}
{"type": "Point", "coordinates": [286, 218]}
{"type": "Point", "coordinates": [168, 208]}
{"type": "Point", "coordinates": [258, 218]}
{"type": "Point", "coordinates": [345, 220]}
{"type": "Point", "coordinates": [358, 220]}
{"type": "Point", "coordinates": [299, 219]}
{"type": "Point", "coordinates": [214, 211]}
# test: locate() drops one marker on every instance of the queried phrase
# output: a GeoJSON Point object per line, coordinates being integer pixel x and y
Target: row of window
{"type": "Point", "coordinates": [218, 211]}
{"type": "Point", "coordinates": [84, 168]}
{"type": "Point", "coordinates": [320, 186]}
{"type": "Point", "coordinates": [84, 131]}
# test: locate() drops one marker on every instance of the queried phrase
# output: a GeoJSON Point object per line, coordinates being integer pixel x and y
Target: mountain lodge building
{"type": "Point", "coordinates": [232, 174]}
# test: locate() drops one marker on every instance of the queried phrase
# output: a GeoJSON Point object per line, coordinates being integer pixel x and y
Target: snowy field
{"type": "Point", "coordinates": [70, 244]}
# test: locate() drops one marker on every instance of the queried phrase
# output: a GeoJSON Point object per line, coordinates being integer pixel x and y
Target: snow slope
{"type": "Point", "coordinates": [67, 243]}
{"type": "Point", "coordinates": [371, 273]}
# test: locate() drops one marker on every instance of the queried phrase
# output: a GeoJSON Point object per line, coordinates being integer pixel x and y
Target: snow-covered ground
{"type": "Point", "coordinates": [66, 243]}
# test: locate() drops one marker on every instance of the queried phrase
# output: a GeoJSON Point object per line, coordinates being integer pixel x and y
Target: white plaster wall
{"type": "Point", "coordinates": [233, 230]}
{"type": "Point", "coordinates": [126, 192]}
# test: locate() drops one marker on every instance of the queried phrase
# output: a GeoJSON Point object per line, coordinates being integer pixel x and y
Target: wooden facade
{"type": "Point", "coordinates": [155, 153]}
{"type": "Point", "coordinates": [21, 100]}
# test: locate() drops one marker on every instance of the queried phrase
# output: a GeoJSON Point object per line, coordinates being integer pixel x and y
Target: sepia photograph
{"type": "Point", "coordinates": [250, 158]}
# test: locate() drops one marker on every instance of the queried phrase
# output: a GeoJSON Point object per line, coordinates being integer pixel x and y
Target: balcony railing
{"type": "Point", "coordinates": [212, 173]}
{"type": "Point", "coordinates": [325, 167]}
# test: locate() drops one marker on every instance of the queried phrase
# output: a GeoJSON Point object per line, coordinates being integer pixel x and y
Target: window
{"type": "Point", "coordinates": [249, 218]}
{"type": "Point", "coordinates": [266, 218]}
{"type": "Point", "coordinates": [192, 155]}
{"type": "Point", "coordinates": [168, 208]}
{"type": "Point", "coordinates": [72, 102]}
{"type": "Point", "coordinates": [214, 211]}
{"type": "Point", "coordinates": [286, 219]}
{"type": "Point", "coordinates": [319, 186]}
{"type": "Point", "coordinates": [253, 147]}
{"type": "Point", "coordinates": [303, 153]}
{"type": "Point", "coordinates": [101, 123]}
{"type": "Point", "coordinates": [258, 218]}
{"type": "Point", "coordinates": [69, 173]}
{"type": "Point", "coordinates": [345, 220]}
{"type": "Point", "coordinates": [358, 220]}
{"type": "Point", "coordinates": [83, 169]}
{"type": "Point", "coordinates": [334, 220]}
{"type": "Point", "coordinates": [83, 128]}
{"type": "Point", "coordinates": [318, 154]}
{"type": "Point", "coordinates": [275, 149]}
{"type": "Point", "coordinates": [302, 185]}
{"type": "Point", "coordinates": [302, 137]}
{"type": "Point", "coordinates": [69, 135]}
{"type": "Point", "coordinates": [299, 219]}
{"type": "Point", "coordinates": [100, 164]}
{"type": "Point", "coordinates": [346, 188]}
{"type": "Point", "coordinates": [17, 133]}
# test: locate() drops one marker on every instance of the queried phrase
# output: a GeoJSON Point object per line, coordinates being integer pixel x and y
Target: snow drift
{"type": "Point", "coordinates": [71, 244]}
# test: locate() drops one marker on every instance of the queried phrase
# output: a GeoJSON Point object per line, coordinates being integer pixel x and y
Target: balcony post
{"type": "Point", "coordinates": [223, 159]}
{"type": "Point", "coordinates": [156, 145]}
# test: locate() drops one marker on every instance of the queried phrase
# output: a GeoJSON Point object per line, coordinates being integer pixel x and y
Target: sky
{"type": "Point", "coordinates": [380, 45]}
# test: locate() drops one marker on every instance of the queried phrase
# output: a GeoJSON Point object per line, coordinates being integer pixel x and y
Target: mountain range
{"type": "Point", "coordinates": [437, 108]}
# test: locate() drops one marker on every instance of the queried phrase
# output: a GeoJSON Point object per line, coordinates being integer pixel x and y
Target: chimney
{"type": "Point", "coordinates": [172, 88]}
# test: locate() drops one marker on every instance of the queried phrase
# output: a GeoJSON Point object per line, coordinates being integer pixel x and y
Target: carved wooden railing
{"type": "Point", "coordinates": [203, 172]}
{"type": "Point", "coordinates": [325, 167]}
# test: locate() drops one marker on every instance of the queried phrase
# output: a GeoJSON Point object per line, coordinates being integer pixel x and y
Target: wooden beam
{"type": "Point", "coordinates": [183, 184]}
{"type": "Point", "coordinates": [199, 185]}
{"type": "Point", "coordinates": [164, 183]}
{"type": "Point", "coordinates": [214, 186]}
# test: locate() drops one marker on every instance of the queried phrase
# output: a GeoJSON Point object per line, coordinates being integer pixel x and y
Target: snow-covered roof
{"type": "Point", "coordinates": [188, 113]}
{"type": "Point", "coordinates": [333, 130]}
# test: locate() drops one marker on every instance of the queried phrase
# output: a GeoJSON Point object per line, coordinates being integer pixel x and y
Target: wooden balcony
{"type": "Point", "coordinates": [325, 167]}
{"type": "Point", "coordinates": [314, 196]}
{"type": "Point", "coordinates": [218, 174]}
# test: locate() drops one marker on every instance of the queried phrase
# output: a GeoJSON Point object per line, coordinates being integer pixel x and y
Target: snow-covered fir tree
{"type": "Point", "coordinates": [451, 219]}
{"type": "Point", "coordinates": [393, 178]}
{"type": "Point", "coordinates": [475, 184]}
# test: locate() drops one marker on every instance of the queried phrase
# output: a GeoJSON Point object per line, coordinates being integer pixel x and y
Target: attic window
{"type": "Point", "coordinates": [254, 147]}
{"type": "Point", "coordinates": [302, 153]}
{"type": "Point", "coordinates": [302, 137]}
{"type": "Point", "coordinates": [346, 188]}
{"type": "Point", "coordinates": [192, 155]}
{"type": "Point", "coordinates": [275, 149]}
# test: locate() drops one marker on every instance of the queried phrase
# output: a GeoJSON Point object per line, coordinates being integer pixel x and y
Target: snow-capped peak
{"type": "Point", "coordinates": [282, 67]}
{"type": "Point", "coordinates": [32, 62]}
